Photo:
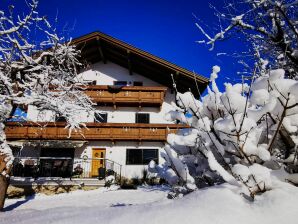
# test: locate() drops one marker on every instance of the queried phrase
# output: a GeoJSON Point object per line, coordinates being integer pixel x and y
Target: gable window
{"type": "Point", "coordinates": [120, 83]}
{"type": "Point", "coordinates": [141, 156]}
{"type": "Point", "coordinates": [142, 118]}
{"type": "Point", "coordinates": [137, 83]}
{"type": "Point", "coordinates": [101, 117]}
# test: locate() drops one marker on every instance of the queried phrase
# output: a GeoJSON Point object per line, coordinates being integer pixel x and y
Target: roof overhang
{"type": "Point", "coordinates": [96, 47]}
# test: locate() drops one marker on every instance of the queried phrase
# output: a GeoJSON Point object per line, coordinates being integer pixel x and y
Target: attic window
{"type": "Point", "coordinates": [120, 83]}
{"type": "Point", "coordinates": [137, 83]}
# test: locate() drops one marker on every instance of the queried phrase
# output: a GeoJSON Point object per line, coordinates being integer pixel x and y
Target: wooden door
{"type": "Point", "coordinates": [98, 156]}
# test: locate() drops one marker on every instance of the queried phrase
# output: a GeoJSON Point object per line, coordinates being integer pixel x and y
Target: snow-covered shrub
{"type": "Point", "coordinates": [110, 180]}
{"type": "Point", "coordinates": [236, 133]}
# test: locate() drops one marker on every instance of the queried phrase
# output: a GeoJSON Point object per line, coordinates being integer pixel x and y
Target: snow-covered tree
{"type": "Point", "coordinates": [250, 129]}
{"type": "Point", "coordinates": [38, 73]}
{"type": "Point", "coordinates": [236, 133]}
{"type": "Point", "coordinates": [270, 28]}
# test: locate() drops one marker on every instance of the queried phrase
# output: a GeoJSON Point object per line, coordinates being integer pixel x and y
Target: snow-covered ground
{"type": "Point", "coordinates": [220, 204]}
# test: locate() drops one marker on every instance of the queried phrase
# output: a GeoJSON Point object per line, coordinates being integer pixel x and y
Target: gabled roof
{"type": "Point", "coordinates": [97, 47]}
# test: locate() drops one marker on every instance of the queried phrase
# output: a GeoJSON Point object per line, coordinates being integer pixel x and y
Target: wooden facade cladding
{"type": "Point", "coordinates": [94, 132]}
{"type": "Point", "coordinates": [126, 95]}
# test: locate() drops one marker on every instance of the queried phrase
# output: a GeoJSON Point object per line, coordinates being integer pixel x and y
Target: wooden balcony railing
{"type": "Point", "coordinates": [127, 95]}
{"type": "Point", "coordinates": [95, 131]}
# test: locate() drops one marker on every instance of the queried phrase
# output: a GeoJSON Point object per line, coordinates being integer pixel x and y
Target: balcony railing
{"type": "Point", "coordinates": [141, 96]}
{"type": "Point", "coordinates": [94, 131]}
{"type": "Point", "coordinates": [65, 167]}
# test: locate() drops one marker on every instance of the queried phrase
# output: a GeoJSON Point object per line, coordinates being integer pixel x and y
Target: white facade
{"type": "Point", "coordinates": [106, 74]}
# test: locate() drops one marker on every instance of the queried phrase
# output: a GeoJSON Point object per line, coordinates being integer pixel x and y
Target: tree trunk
{"type": "Point", "coordinates": [4, 182]}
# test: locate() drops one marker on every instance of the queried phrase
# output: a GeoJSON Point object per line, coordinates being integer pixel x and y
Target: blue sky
{"type": "Point", "coordinates": [165, 28]}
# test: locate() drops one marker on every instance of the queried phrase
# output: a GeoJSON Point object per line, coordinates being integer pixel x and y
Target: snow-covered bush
{"type": "Point", "coordinates": [110, 180]}
{"type": "Point", "coordinates": [236, 133]}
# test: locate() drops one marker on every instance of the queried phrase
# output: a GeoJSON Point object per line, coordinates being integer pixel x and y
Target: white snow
{"type": "Point", "coordinates": [219, 204]}
{"type": "Point", "coordinates": [236, 121]}
{"type": "Point", "coordinates": [214, 165]}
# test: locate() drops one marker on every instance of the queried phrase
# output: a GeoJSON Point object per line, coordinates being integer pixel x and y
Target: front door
{"type": "Point", "coordinates": [98, 156]}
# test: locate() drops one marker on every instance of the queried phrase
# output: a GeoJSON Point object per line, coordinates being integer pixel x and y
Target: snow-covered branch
{"type": "Point", "coordinates": [269, 27]}
{"type": "Point", "coordinates": [230, 134]}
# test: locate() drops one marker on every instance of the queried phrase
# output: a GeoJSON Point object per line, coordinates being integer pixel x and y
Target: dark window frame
{"type": "Point", "coordinates": [142, 120]}
{"type": "Point", "coordinates": [59, 118]}
{"type": "Point", "coordinates": [142, 159]}
{"type": "Point", "coordinates": [102, 119]}
{"type": "Point", "coordinates": [56, 162]}
{"type": "Point", "coordinates": [120, 83]}
{"type": "Point", "coordinates": [137, 83]}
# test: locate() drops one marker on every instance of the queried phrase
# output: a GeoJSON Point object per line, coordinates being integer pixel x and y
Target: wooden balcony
{"type": "Point", "coordinates": [95, 132]}
{"type": "Point", "coordinates": [141, 96]}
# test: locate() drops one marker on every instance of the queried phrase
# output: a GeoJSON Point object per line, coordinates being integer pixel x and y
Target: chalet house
{"type": "Point", "coordinates": [132, 88]}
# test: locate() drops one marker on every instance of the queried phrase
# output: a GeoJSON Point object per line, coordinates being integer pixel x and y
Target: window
{"type": "Point", "coordinates": [56, 162]}
{"type": "Point", "coordinates": [93, 83]}
{"type": "Point", "coordinates": [142, 118]}
{"type": "Point", "coordinates": [59, 118]}
{"type": "Point", "coordinates": [16, 151]}
{"type": "Point", "coordinates": [150, 154]}
{"type": "Point", "coordinates": [101, 117]}
{"type": "Point", "coordinates": [137, 83]}
{"type": "Point", "coordinates": [19, 115]}
{"type": "Point", "coordinates": [141, 156]}
{"type": "Point", "coordinates": [120, 83]}
{"type": "Point", "coordinates": [57, 152]}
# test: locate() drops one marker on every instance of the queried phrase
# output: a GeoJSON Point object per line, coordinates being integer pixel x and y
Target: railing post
{"type": "Point", "coordinates": [114, 101]}
{"type": "Point", "coordinates": [26, 132]}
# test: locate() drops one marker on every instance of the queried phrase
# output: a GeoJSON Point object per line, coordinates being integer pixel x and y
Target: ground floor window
{"type": "Point", "coordinates": [56, 162]}
{"type": "Point", "coordinates": [53, 162]}
{"type": "Point", "coordinates": [141, 156]}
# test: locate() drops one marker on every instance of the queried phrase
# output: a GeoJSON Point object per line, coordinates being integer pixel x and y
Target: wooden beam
{"type": "Point", "coordinates": [129, 62]}
{"type": "Point", "coordinates": [101, 51]}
